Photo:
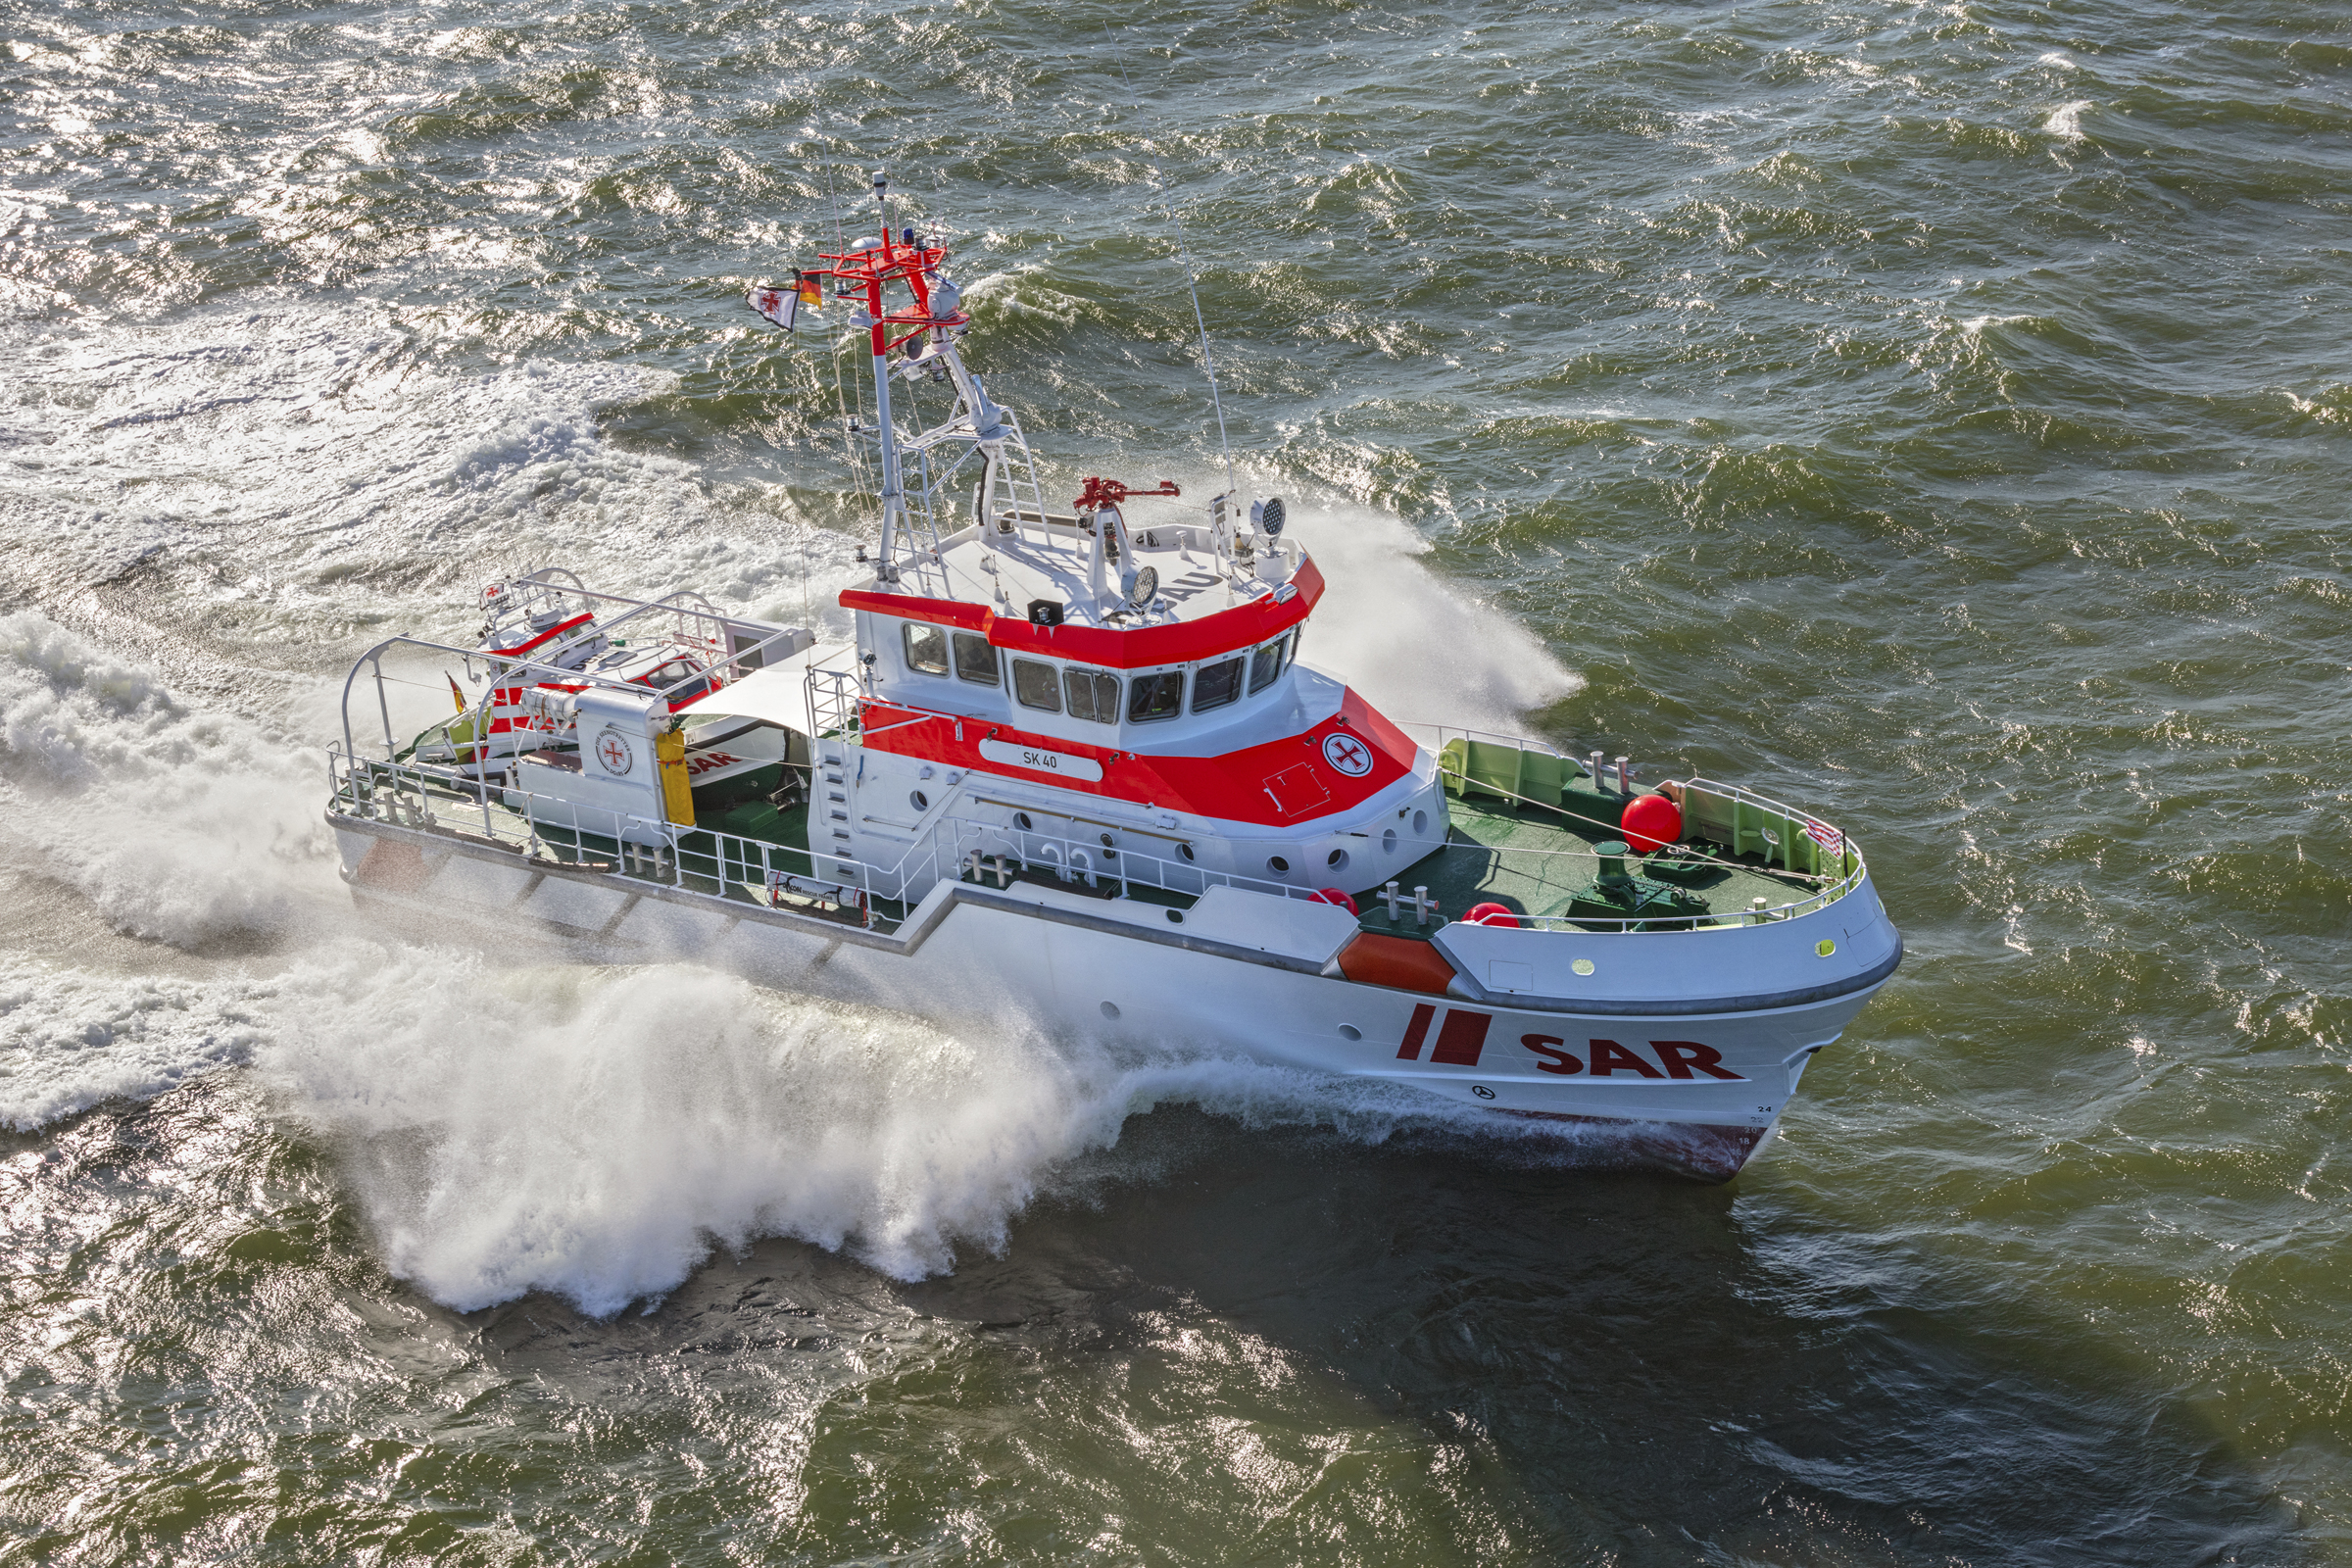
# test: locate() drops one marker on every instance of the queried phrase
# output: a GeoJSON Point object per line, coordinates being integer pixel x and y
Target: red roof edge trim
{"type": "Point", "coordinates": [1227, 631]}
{"type": "Point", "coordinates": [944, 612]}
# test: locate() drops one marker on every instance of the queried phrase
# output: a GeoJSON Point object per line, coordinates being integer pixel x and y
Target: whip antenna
{"type": "Point", "coordinates": [1190, 282]}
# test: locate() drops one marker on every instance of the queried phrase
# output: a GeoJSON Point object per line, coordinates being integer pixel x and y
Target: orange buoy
{"type": "Point", "coordinates": [1490, 915]}
{"type": "Point", "coordinates": [1652, 823]}
{"type": "Point", "coordinates": [1335, 896]}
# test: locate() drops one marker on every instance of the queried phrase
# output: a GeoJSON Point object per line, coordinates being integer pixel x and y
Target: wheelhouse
{"type": "Point", "coordinates": [927, 665]}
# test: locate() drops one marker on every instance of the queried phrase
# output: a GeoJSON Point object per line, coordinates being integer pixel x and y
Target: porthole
{"type": "Point", "coordinates": [1278, 865]}
{"type": "Point", "coordinates": [1336, 859]}
{"type": "Point", "coordinates": [1020, 819]}
{"type": "Point", "coordinates": [1420, 824]}
{"type": "Point", "coordinates": [1106, 841]}
{"type": "Point", "coordinates": [919, 801]}
{"type": "Point", "coordinates": [1348, 1031]}
{"type": "Point", "coordinates": [1110, 1010]}
{"type": "Point", "coordinates": [1186, 850]}
{"type": "Point", "coordinates": [1388, 842]}
{"type": "Point", "coordinates": [1175, 917]}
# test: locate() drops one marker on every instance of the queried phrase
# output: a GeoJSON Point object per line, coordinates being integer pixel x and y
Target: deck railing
{"type": "Point", "coordinates": [1092, 864]}
{"type": "Point", "coordinates": [1448, 732]}
{"type": "Point", "coordinates": [563, 832]}
{"type": "Point", "coordinates": [738, 868]}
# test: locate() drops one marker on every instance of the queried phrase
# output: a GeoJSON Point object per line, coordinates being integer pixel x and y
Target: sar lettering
{"type": "Point", "coordinates": [1553, 1048]}
{"type": "Point", "coordinates": [1681, 1055]}
{"type": "Point", "coordinates": [1609, 1056]}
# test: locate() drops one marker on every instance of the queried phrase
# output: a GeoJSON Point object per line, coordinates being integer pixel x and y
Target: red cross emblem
{"type": "Point", "coordinates": [613, 753]}
{"type": "Point", "coordinates": [1349, 755]}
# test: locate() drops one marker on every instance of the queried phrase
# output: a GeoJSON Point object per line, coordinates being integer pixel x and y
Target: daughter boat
{"type": "Point", "coordinates": [1071, 767]}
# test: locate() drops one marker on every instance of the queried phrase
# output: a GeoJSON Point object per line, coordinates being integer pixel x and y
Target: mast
{"type": "Point", "coordinates": [926, 330]}
{"type": "Point", "coordinates": [893, 496]}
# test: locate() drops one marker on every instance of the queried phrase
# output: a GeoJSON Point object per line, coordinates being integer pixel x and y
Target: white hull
{"type": "Point", "coordinates": [1240, 970]}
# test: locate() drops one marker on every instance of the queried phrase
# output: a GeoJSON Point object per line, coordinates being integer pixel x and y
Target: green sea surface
{"type": "Point", "coordinates": [1931, 412]}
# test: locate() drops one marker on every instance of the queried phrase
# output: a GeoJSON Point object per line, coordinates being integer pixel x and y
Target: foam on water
{"type": "Point", "coordinates": [70, 1040]}
{"type": "Point", "coordinates": [594, 1132]}
{"type": "Point", "coordinates": [2066, 120]}
{"type": "Point", "coordinates": [173, 826]}
{"type": "Point", "coordinates": [178, 825]}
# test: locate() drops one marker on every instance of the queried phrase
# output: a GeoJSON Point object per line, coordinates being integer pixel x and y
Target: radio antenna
{"type": "Point", "coordinates": [1184, 254]}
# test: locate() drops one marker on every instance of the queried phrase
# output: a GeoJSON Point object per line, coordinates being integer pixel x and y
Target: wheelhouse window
{"type": "Point", "coordinates": [1217, 685]}
{"type": "Point", "coordinates": [1036, 685]}
{"type": "Point", "coordinates": [926, 648]}
{"type": "Point", "coordinates": [1158, 695]}
{"type": "Point", "coordinates": [1267, 663]}
{"type": "Point", "coordinates": [1091, 694]}
{"type": "Point", "coordinates": [975, 659]}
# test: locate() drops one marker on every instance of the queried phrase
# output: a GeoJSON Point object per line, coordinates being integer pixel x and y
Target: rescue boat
{"type": "Point", "coordinates": [1071, 764]}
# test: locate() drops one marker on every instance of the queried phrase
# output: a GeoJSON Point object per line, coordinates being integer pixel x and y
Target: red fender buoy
{"type": "Point", "coordinates": [1652, 823]}
{"type": "Point", "coordinates": [1490, 915]}
{"type": "Point", "coordinates": [1335, 896]}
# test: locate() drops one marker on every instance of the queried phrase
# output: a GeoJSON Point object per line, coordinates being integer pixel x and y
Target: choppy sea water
{"type": "Point", "coordinates": [1934, 411]}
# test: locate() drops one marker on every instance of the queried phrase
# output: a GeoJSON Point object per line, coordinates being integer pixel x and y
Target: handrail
{"type": "Point", "coordinates": [1741, 793]}
{"type": "Point", "coordinates": [1523, 742]}
{"type": "Point", "coordinates": [524, 667]}
{"type": "Point", "coordinates": [1095, 852]}
{"type": "Point", "coordinates": [923, 866]}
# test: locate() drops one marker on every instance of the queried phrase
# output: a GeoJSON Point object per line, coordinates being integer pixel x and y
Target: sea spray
{"type": "Point", "coordinates": [596, 1132]}
{"type": "Point", "coordinates": [178, 825]}
{"type": "Point", "coordinates": [1418, 649]}
{"type": "Point", "coordinates": [73, 1039]}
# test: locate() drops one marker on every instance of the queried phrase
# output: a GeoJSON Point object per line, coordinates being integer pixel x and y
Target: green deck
{"type": "Point", "coordinates": [1535, 861]}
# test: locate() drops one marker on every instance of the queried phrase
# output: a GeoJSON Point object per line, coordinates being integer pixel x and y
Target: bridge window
{"type": "Point", "coordinates": [1267, 665]}
{"type": "Point", "coordinates": [926, 648]}
{"type": "Point", "coordinates": [975, 659]}
{"type": "Point", "coordinates": [1036, 686]}
{"type": "Point", "coordinates": [1091, 694]}
{"type": "Point", "coordinates": [1150, 697]}
{"type": "Point", "coordinates": [1217, 684]}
